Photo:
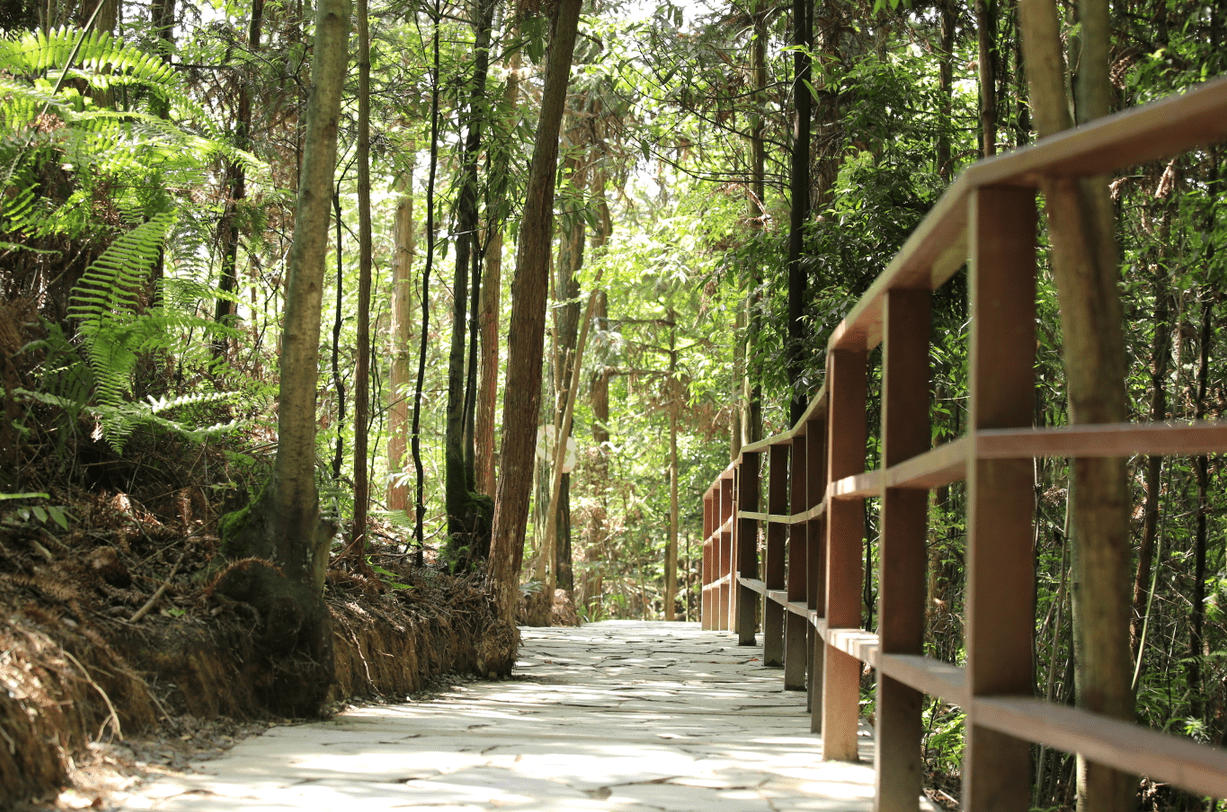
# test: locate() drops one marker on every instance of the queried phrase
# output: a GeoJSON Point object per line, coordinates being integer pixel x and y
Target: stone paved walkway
{"type": "Point", "coordinates": [618, 716]}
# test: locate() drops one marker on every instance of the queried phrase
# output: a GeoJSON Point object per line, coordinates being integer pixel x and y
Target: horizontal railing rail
{"type": "Point", "coordinates": [798, 554]}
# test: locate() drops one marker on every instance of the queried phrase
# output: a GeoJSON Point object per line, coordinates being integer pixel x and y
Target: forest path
{"type": "Point", "coordinates": [620, 715]}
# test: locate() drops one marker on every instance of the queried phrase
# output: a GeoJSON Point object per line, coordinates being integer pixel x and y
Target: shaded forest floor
{"type": "Point", "coordinates": [116, 657]}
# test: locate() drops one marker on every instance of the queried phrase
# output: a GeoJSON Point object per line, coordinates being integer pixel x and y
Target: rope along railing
{"type": "Point", "coordinates": [809, 578]}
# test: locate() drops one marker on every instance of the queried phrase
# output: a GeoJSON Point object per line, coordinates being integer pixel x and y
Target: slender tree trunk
{"type": "Point", "coordinates": [986, 39]}
{"type": "Point", "coordinates": [491, 298]}
{"type": "Point", "coordinates": [338, 380]}
{"type": "Point", "coordinates": [802, 16]}
{"type": "Point", "coordinates": [468, 515]}
{"type": "Point", "coordinates": [1160, 351]}
{"type": "Point", "coordinates": [283, 527]}
{"type": "Point", "coordinates": [526, 339]}
{"type": "Point", "coordinates": [750, 396]}
{"type": "Point", "coordinates": [945, 69]}
{"type": "Point", "coordinates": [401, 334]}
{"type": "Point", "coordinates": [1202, 468]}
{"type": "Point", "coordinates": [362, 369]}
{"type": "Point", "coordinates": [1080, 223]}
{"type": "Point", "coordinates": [419, 508]}
{"type": "Point", "coordinates": [673, 385]}
{"type": "Point", "coordinates": [566, 292]}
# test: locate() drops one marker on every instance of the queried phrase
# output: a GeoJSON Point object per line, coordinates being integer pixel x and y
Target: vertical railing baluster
{"type": "Point", "coordinates": [1000, 500]}
{"type": "Point", "coordinates": [903, 521]}
{"type": "Point", "coordinates": [816, 559]}
{"type": "Point", "coordinates": [795, 625]}
{"type": "Point", "coordinates": [746, 547]}
{"type": "Point", "coordinates": [841, 678]}
{"type": "Point", "coordinates": [728, 510]}
{"type": "Point", "coordinates": [773, 558]}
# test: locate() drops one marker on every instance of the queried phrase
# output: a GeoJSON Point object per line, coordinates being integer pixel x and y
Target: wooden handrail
{"type": "Point", "coordinates": [808, 579]}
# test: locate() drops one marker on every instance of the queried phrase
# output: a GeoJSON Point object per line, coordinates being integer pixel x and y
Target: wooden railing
{"type": "Point", "coordinates": [811, 529]}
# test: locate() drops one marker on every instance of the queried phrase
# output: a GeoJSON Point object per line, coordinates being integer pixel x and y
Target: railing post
{"type": "Point", "coordinates": [745, 546]}
{"type": "Point", "coordinates": [1000, 499]}
{"type": "Point", "coordinates": [903, 520]}
{"type": "Point", "coordinates": [795, 625]}
{"type": "Point", "coordinates": [711, 524]}
{"type": "Point", "coordinates": [728, 509]}
{"type": "Point", "coordinates": [841, 677]}
{"type": "Point", "coordinates": [816, 560]}
{"type": "Point", "coordinates": [773, 554]}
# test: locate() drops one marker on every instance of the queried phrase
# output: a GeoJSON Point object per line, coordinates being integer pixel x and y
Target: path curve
{"type": "Point", "coordinates": [621, 716]}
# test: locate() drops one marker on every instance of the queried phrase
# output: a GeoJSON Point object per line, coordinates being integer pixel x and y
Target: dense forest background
{"type": "Point", "coordinates": [151, 156]}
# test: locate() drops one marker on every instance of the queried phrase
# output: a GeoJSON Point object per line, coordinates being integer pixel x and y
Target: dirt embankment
{"type": "Point", "coordinates": [110, 630]}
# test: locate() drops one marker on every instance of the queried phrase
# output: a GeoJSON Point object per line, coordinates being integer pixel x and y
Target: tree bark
{"type": "Point", "coordinates": [283, 526]}
{"type": "Point", "coordinates": [491, 299]}
{"type": "Point", "coordinates": [401, 334]}
{"type": "Point", "coordinates": [802, 21]}
{"type": "Point", "coordinates": [986, 41]}
{"type": "Point", "coordinates": [356, 552]}
{"type": "Point", "coordinates": [468, 513]}
{"type": "Point", "coordinates": [526, 339]}
{"type": "Point", "coordinates": [419, 507]}
{"type": "Point", "coordinates": [1160, 351]}
{"type": "Point", "coordinates": [1084, 259]}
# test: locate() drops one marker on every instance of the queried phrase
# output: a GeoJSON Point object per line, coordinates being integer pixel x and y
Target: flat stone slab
{"type": "Point", "coordinates": [619, 716]}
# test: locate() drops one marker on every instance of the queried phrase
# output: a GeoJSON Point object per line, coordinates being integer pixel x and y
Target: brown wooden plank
{"type": "Point", "coordinates": [754, 585]}
{"type": "Point", "coordinates": [728, 543]}
{"type": "Point", "coordinates": [776, 596]}
{"type": "Point", "coordinates": [932, 468]}
{"type": "Point", "coordinates": [856, 486]}
{"type": "Point", "coordinates": [746, 547]}
{"type": "Point", "coordinates": [902, 555]}
{"type": "Point", "coordinates": [856, 643]}
{"type": "Point", "coordinates": [796, 656]}
{"type": "Point", "coordinates": [1000, 567]}
{"type": "Point", "coordinates": [927, 675]}
{"type": "Point", "coordinates": [1143, 134]}
{"type": "Point", "coordinates": [931, 255]}
{"type": "Point", "coordinates": [846, 388]}
{"type": "Point", "coordinates": [1110, 440]}
{"type": "Point", "coordinates": [1131, 748]}
{"type": "Point", "coordinates": [799, 609]}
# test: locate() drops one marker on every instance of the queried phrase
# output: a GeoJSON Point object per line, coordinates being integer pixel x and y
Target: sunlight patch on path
{"type": "Point", "coordinates": [620, 716]}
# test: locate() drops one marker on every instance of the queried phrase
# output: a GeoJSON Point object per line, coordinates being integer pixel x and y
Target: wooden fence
{"type": "Point", "coordinates": [799, 556]}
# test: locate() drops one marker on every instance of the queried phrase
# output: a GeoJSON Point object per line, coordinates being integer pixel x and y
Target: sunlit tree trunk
{"type": "Point", "coordinates": [468, 514]}
{"type": "Point", "coordinates": [526, 337]}
{"type": "Point", "coordinates": [986, 41]}
{"type": "Point", "coordinates": [283, 526]}
{"type": "Point", "coordinates": [362, 369]}
{"type": "Point", "coordinates": [401, 334]}
{"type": "Point", "coordinates": [491, 296]}
{"type": "Point", "coordinates": [673, 385]}
{"type": "Point", "coordinates": [1085, 266]}
{"type": "Point", "coordinates": [802, 18]}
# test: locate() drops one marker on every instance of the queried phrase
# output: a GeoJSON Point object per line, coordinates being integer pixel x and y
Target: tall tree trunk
{"type": "Point", "coordinates": [526, 339]}
{"type": "Point", "coordinates": [1160, 351]}
{"type": "Point", "coordinates": [566, 292]}
{"type": "Point", "coordinates": [1080, 224]}
{"type": "Point", "coordinates": [419, 507]}
{"type": "Point", "coordinates": [491, 296]}
{"type": "Point", "coordinates": [802, 22]}
{"type": "Point", "coordinates": [401, 333]}
{"type": "Point", "coordinates": [1202, 469]}
{"type": "Point", "coordinates": [673, 385]}
{"type": "Point", "coordinates": [468, 514]}
{"type": "Point", "coordinates": [338, 320]}
{"type": "Point", "coordinates": [750, 395]}
{"type": "Point", "coordinates": [362, 369]}
{"type": "Point", "coordinates": [945, 70]}
{"type": "Point", "coordinates": [283, 526]}
{"type": "Point", "coordinates": [986, 40]}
